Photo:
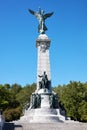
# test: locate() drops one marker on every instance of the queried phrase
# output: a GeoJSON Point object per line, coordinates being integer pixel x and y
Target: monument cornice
{"type": "Point", "coordinates": [45, 42]}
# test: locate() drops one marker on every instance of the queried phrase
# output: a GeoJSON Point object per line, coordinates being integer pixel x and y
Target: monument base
{"type": "Point", "coordinates": [42, 115]}
{"type": "Point", "coordinates": [47, 112]}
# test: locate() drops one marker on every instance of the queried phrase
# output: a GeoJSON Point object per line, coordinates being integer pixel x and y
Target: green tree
{"type": "Point", "coordinates": [73, 96]}
{"type": "Point", "coordinates": [24, 95]}
{"type": "Point", "coordinates": [4, 97]}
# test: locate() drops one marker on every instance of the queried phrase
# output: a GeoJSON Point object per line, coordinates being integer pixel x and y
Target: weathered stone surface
{"type": "Point", "coordinates": [45, 126]}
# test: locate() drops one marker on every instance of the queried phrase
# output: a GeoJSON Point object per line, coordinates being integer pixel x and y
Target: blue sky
{"type": "Point", "coordinates": [67, 29]}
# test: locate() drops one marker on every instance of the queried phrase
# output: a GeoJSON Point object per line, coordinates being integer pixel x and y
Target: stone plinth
{"type": "Point", "coordinates": [45, 101]}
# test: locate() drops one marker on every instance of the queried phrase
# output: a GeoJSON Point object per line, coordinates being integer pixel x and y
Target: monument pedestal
{"type": "Point", "coordinates": [45, 101]}
{"type": "Point", "coordinates": [44, 105]}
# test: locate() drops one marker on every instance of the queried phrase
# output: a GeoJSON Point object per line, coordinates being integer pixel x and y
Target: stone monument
{"type": "Point", "coordinates": [2, 120]}
{"type": "Point", "coordinates": [44, 106]}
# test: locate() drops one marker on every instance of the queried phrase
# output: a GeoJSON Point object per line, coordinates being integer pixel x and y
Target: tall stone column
{"type": "Point", "coordinates": [43, 63]}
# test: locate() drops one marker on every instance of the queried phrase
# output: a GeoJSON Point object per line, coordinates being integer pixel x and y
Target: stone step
{"type": "Point", "coordinates": [45, 126]}
{"type": "Point", "coordinates": [42, 115]}
{"type": "Point", "coordinates": [41, 111]}
{"type": "Point", "coordinates": [45, 111]}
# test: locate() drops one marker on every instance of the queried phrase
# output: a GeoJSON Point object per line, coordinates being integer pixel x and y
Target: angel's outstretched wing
{"type": "Point", "coordinates": [33, 12]}
{"type": "Point", "coordinates": [48, 15]}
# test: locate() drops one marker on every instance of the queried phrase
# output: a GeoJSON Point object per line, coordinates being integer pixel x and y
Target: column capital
{"type": "Point", "coordinates": [43, 40]}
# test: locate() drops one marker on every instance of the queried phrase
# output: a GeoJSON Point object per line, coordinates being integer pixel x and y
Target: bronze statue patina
{"type": "Point", "coordinates": [41, 17]}
{"type": "Point", "coordinates": [44, 81]}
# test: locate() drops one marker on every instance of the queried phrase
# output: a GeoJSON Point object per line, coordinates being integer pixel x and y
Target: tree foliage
{"type": "Point", "coordinates": [13, 98]}
{"type": "Point", "coordinates": [74, 98]}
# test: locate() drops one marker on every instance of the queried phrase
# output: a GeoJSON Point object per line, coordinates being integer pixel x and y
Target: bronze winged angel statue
{"type": "Point", "coordinates": [41, 16]}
